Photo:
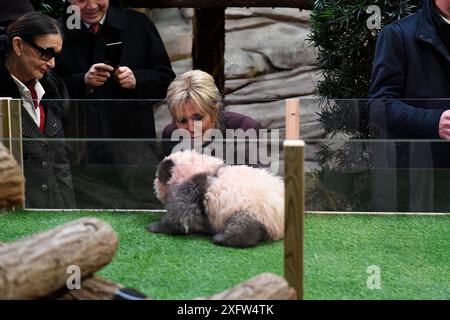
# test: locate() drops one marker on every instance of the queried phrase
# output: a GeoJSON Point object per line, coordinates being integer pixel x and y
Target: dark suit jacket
{"type": "Point", "coordinates": [108, 172]}
{"type": "Point", "coordinates": [143, 52]}
{"type": "Point", "coordinates": [48, 181]}
{"type": "Point", "coordinates": [410, 88]}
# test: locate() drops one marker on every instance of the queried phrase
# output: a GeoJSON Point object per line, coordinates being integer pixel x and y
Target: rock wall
{"type": "Point", "coordinates": [267, 59]}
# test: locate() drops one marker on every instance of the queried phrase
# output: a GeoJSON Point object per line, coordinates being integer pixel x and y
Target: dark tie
{"type": "Point", "coordinates": [38, 105]}
{"type": "Point", "coordinates": [94, 28]}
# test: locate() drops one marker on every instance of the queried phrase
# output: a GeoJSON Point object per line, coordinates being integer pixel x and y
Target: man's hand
{"type": "Point", "coordinates": [125, 77]}
{"type": "Point", "coordinates": [97, 75]}
{"type": "Point", "coordinates": [444, 125]}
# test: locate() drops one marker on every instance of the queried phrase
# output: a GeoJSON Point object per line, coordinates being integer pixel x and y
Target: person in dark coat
{"type": "Point", "coordinates": [105, 172]}
{"type": "Point", "coordinates": [409, 100]}
{"type": "Point", "coordinates": [12, 10]}
{"type": "Point", "coordinates": [195, 104]}
{"type": "Point", "coordinates": [32, 42]}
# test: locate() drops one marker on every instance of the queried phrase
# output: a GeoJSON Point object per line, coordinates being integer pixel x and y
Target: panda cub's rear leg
{"type": "Point", "coordinates": [241, 230]}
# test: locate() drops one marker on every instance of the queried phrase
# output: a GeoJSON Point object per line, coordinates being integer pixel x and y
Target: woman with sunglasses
{"type": "Point", "coordinates": [29, 48]}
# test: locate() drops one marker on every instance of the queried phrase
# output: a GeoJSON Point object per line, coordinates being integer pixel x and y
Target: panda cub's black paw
{"type": "Point", "coordinates": [154, 227]}
{"type": "Point", "coordinates": [222, 239]}
{"type": "Point", "coordinates": [219, 239]}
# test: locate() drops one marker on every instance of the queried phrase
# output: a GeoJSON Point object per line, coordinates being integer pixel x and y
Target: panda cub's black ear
{"type": "Point", "coordinates": [165, 170]}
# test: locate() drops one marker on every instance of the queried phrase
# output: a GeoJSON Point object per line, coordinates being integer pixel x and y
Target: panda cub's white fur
{"type": "Point", "coordinates": [240, 205]}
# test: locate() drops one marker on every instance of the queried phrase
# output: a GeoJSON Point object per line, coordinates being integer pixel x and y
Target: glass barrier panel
{"type": "Point", "coordinates": [105, 154]}
{"type": "Point", "coordinates": [355, 161]}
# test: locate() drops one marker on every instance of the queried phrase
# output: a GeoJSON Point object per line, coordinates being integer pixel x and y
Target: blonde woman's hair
{"type": "Point", "coordinates": [197, 87]}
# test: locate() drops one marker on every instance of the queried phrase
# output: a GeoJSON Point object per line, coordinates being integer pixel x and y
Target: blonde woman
{"type": "Point", "coordinates": [193, 100]}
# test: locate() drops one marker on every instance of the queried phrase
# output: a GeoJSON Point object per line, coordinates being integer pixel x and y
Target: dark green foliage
{"type": "Point", "coordinates": [346, 49]}
{"type": "Point", "coordinates": [346, 45]}
{"type": "Point", "coordinates": [53, 8]}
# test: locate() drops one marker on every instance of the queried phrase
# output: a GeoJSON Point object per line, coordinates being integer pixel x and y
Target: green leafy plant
{"type": "Point", "coordinates": [346, 46]}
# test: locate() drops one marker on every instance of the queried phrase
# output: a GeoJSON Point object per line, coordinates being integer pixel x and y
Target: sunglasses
{"type": "Point", "coordinates": [47, 54]}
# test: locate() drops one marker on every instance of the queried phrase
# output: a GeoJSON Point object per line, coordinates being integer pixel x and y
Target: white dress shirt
{"type": "Point", "coordinates": [27, 101]}
{"type": "Point", "coordinates": [101, 22]}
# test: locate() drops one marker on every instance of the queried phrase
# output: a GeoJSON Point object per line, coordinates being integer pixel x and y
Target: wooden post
{"type": "Point", "coordinates": [11, 127]}
{"type": "Point", "coordinates": [208, 46]}
{"type": "Point", "coordinates": [16, 130]}
{"type": "Point", "coordinates": [294, 214]}
{"type": "Point", "coordinates": [12, 186]}
{"type": "Point", "coordinates": [292, 119]}
{"type": "Point", "coordinates": [36, 266]}
{"type": "Point", "coordinates": [11, 138]}
{"type": "Point", "coordinates": [5, 124]}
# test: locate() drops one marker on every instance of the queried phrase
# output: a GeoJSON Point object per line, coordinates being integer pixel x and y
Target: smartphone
{"type": "Point", "coordinates": [112, 54]}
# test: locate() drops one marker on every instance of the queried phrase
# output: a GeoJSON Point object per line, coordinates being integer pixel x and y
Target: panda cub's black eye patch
{"type": "Point", "coordinates": [165, 170]}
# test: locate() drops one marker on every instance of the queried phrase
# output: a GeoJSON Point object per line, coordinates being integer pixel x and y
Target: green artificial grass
{"type": "Point", "coordinates": [412, 252]}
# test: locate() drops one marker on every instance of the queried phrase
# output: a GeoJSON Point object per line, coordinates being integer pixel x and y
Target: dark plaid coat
{"type": "Point", "coordinates": [48, 181]}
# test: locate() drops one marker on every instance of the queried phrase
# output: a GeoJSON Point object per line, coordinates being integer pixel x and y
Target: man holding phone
{"type": "Point", "coordinates": [103, 22]}
{"type": "Point", "coordinates": [99, 73]}
{"type": "Point", "coordinates": [114, 57]}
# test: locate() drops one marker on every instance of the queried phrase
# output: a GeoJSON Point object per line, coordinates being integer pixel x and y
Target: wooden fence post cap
{"type": "Point", "coordinates": [294, 143]}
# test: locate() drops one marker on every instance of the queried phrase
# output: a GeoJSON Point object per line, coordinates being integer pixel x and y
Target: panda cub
{"type": "Point", "coordinates": [239, 206]}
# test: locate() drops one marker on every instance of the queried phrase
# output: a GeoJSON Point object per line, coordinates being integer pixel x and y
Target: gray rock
{"type": "Point", "coordinates": [298, 82]}
{"type": "Point", "coordinates": [168, 16]}
{"type": "Point", "coordinates": [181, 66]}
{"type": "Point", "coordinates": [284, 44]}
{"type": "Point", "coordinates": [235, 84]}
{"type": "Point", "coordinates": [188, 13]}
{"type": "Point", "coordinates": [280, 14]}
{"type": "Point", "coordinates": [245, 64]}
{"type": "Point", "coordinates": [177, 39]}
{"type": "Point", "coordinates": [175, 31]}
{"type": "Point", "coordinates": [248, 23]}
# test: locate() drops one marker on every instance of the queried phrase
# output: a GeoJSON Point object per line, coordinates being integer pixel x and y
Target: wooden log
{"type": "Point", "coordinates": [36, 266]}
{"type": "Point", "coordinates": [301, 4]}
{"type": "Point", "coordinates": [98, 288]}
{"type": "Point", "coordinates": [92, 288]}
{"type": "Point", "coordinates": [266, 286]}
{"type": "Point", "coordinates": [294, 214]}
{"type": "Point", "coordinates": [12, 189]}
